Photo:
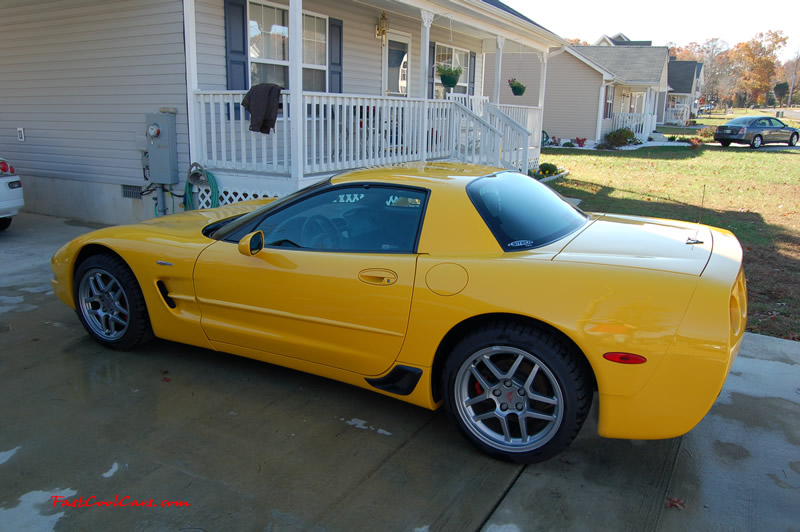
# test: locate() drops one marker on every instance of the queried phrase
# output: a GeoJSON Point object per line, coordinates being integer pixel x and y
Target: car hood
{"type": "Point", "coordinates": [639, 242]}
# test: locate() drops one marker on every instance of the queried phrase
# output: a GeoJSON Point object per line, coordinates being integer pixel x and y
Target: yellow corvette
{"type": "Point", "coordinates": [473, 287]}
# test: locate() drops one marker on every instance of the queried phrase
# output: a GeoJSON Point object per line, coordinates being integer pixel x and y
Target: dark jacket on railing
{"type": "Point", "coordinates": [262, 102]}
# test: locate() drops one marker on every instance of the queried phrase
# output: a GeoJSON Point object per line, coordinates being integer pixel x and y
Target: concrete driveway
{"type": "Point", "coordinates": [252, 446]}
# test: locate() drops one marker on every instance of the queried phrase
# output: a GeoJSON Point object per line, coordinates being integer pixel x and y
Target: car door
{"type": "Point", "coordinates": [780, 133]}
{"type": "Point", "coordinates": [332, 286]}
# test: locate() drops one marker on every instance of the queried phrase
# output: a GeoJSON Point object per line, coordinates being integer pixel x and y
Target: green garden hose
{"type": "Point", "coordinates": [198, 175]}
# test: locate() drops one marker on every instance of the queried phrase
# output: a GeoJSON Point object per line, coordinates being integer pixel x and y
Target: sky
{"type": "Point", "coordinates": [733, 21]}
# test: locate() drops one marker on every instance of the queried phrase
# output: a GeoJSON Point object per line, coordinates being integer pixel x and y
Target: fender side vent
{"type": "Point", "coordinates": [400, 381]}
{"type": "Point", "coordinates": [162, 288]}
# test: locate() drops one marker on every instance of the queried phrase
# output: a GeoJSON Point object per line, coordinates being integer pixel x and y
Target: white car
{"type": "Point", "coordinates": [11, 199]}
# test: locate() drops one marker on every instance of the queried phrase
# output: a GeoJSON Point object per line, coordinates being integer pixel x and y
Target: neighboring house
{"type": "Point", "coordinates": [80, 77]}
{"type": "Point", "coordinates": [574, 96]}
{"type": "Point", "coordinates": [683, 100]}
{"type": "Point", "coordinates": [620, 40]}
{"type": "Point", "coordinates": [590, 90]}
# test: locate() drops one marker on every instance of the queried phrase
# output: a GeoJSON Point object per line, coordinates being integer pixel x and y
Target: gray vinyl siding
{"type": "Point", "coordinates": [210, 37]}
{"type": "Point", "coordinates": [525, 67]}
{"type": "Point", "coordinates": [361, 49]}
{"type": "Point", "coordinates": [79, 76]}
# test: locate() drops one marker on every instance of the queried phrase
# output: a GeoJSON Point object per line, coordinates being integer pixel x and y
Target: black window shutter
{"type": "Point", "coordinates": [471, 85]}
{"type": "Point", "coordinates": [431, 69]}
{"type": "Point", "coordinates": [335, 55]}
{"type": "Point", "coordinates": [236, 44]}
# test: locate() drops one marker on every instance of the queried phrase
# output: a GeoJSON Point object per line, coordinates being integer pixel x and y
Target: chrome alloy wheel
{"type": "Point", "coordinates": [509, 399]}
{"type": "Point", "coordinates": [104, 304]}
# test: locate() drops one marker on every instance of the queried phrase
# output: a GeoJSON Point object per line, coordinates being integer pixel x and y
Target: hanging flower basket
{"type": "Point", "coordinates": [449, 75]}
{"type": "Point", "coordinates": [516, 87]}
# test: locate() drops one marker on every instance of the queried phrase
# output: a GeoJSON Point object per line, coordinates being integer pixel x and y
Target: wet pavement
{"type": "Point", "coordinates": [252, 446]}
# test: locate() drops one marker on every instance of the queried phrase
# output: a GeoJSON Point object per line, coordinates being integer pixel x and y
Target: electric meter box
{"type": "Point", "coordinates": [162, 148]}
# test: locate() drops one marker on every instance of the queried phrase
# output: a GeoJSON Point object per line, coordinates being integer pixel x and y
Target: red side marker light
{"type": "Point", "coordinates": [625, 358]}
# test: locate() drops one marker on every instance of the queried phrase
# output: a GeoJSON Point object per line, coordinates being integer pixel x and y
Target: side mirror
{"type": "Point", "coordinates": [251, 243]}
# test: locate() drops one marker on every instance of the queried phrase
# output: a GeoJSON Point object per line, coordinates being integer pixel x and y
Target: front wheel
{"type": "Point", "coordinates": [516, 392]}
{"type": "Point", "coordinates": [793, 139]}
{"type": "Point", "coordinates": [756, 142]}
{"type": "Point", "coordinates": [110, 304]}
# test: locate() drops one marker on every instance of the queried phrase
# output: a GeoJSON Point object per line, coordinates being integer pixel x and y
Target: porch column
{"type": "Point", "coordinates": [424, 72]}
{"type": "Point", "coordinates": [190, 38]}
{"type": "Point", "coordinates": [543, 83]}
{"type": "Point", "coordinates": [424, 52]}
{"type": "Point", "coordinates": [297, 113]}
{"type": "Point", "coordinates": [601, 107]}
{"type": "Point", "coordinates": [498, 67]}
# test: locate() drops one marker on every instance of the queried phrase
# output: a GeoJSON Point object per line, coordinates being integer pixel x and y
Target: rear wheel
{"type": "Point", "coordinates": [725, 143]}
{"type": "Point", "coordinates": [110, 303]}
{"type": "Point", "coordinates": [4, 223]}
{"type": "Point", "coordinates": [516, 392]}
{"type": "Point", "coordinates": [756, 142]}
{"type": "Point", "coordinates": [793, 139]}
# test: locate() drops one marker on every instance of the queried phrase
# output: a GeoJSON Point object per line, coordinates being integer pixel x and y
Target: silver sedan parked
{"type": "Point", "coordinates": [755, 131]}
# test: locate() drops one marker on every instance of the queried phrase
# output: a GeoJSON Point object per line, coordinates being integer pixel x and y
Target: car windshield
{"type": "Point", "coordinates": [234, 224]}
{"type": "Point", "coordinates": [741, 121]}
{"type": "Point", "coordinates": [521, 212]}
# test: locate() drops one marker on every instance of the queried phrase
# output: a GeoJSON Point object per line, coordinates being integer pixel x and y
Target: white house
{"type": "Point", "coordinates": [80, 76]}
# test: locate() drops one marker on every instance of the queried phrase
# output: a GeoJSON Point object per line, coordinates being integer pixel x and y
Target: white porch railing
{"type": "Point", "coordinates": [346, 131]}
{"type": "Point", "coordinates": [677, 115]}
{"type": "Point", "coordinates": [641, 124]}
{"type": "Point", "coordinates": [225, 140]}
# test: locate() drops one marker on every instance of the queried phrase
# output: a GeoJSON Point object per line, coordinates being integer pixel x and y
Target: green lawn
{"type": "Point", "coordinates": [754, 194]}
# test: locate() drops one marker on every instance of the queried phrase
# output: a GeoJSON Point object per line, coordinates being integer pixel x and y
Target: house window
{"type": "Point", "coordinates": [449, 55]}
{"type": "Point", "coordinates": [268, 28]}
{"type": "Point", "coordinates": [608, 111]}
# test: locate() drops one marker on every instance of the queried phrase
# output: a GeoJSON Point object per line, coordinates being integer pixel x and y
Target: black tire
{"type": "Point", "coordinates": [505, 355]}
{"type": "Point", "coordinates": [725, 143]}
{"type": "Point", "coordinates": [4, 223]}
{"type": "Point", "coordinates": [793, 139]}
{"type": "Point", "coordinates": [757, 141]}
{"type": "Point", "coordinates": [110, 304]}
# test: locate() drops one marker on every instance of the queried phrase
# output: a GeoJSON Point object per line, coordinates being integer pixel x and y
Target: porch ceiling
{"type": "Point", "coordinates": [475, 18]}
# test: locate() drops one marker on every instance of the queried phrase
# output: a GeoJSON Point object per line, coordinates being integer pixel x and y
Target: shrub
{"type": "Point", "coordinates": [672, 138]}
{"type": "Point", "coordinates": [555, 141]}
{"type": "Point", "coordinates": [695, 143]}
{"type": "Point", "coordinates": [568, 144]}
{"type": "Point", "coordinates": [605, 146]}
{"type": "Point", "coordinates": [620, 137]}
{"type": "Point", "coordinates": [706, 132]}
{"type": "Point", "coordinates": [547, 169]}
{"type": "Point", "coordinates": [580, 141]}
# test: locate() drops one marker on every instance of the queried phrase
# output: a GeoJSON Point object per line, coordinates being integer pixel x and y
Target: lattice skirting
{"type": "Point", "coordinates": [234, 188]}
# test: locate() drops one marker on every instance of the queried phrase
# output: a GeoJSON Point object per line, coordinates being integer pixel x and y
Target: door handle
{"type": "Point", "coordinates": [377, 276]}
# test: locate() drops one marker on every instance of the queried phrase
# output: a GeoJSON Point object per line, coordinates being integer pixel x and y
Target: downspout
{"type": "Point", "coordinates": [297, 112]}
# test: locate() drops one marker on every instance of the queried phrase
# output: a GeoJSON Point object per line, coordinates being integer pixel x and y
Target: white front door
{"type": "Point", "coordinates": [396, 63]}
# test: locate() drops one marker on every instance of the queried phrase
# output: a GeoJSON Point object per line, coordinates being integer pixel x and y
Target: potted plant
{"type": "Point", "coordinates": [516, 87]}
{"type": "Point", "coordinates": [449, 74]}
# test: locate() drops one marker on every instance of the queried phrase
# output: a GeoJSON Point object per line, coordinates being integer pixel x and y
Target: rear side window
{"type": "Point", "coordinates": [521, 212]}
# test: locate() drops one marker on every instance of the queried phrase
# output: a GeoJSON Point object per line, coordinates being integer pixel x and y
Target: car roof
{"type": "Point", "coordinates": [432, 175]}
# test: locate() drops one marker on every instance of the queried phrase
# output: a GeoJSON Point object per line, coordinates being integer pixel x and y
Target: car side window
{"type": "Point", "coordinates": [762, 123]}
{"type": "Point", "coordinates": [373, 219]}
{"type": "Point", "coordinates": [776, 123]}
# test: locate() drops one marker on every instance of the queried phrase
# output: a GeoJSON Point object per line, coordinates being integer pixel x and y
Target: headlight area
{"type": "Point", "coordinates": [689, 379]}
